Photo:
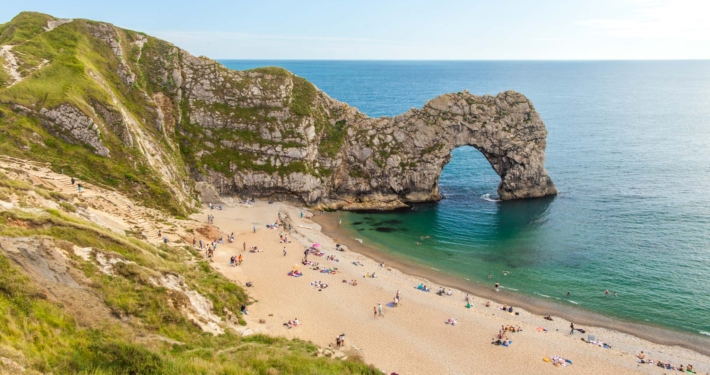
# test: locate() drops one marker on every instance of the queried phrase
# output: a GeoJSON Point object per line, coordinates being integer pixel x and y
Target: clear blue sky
{"type": "Point", "coordinates": [413, 29]}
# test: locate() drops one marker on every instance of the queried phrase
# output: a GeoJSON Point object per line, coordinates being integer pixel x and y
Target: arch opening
{"type": "Point", "coordinates": [468, 174]}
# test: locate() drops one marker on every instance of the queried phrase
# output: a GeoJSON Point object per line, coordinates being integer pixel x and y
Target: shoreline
{"type": "Point", "coordinates": [658, 335]}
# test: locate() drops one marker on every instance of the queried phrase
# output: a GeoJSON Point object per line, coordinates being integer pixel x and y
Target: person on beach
{"type": "Point", "coordinates": [79, 187]}
{"type": "Point", "coordinates": [244, 246]}
{"type": "Point", "coordinates": [239, 260]}
{"type": "Point", "coordinates": [571, 328]}
{"type": "Point", "coordinates": [379, 309]}
{"type": "Point", "coordinates": [284, 250]}
{"type": "Point", "coordinates": [73, 181]}
{"type": "Point", "coordinates": [254, 228]}
{"type": "Point", "coordinates": [160, 233]}
{"type": "Point", "coordinates": [301, 214]}
{"type": "Point", "coordinates": [642, 357]}
{"type": "Point", "coordinates": [496, 286]}
{"type": "Point", "coordinates": [193, 242]}
{"type": "Point", "coordinates": [200, 244]}
{"type": "Point", "coordinates": [488, 303]}
{"type": "Point", "coordinates": [374, 310]}
{"type": "Point", "coordinates": [165, 240]}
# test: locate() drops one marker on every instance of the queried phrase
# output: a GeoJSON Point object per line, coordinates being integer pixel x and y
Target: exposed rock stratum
{"type": "Point", "coordinates": [263, 132]}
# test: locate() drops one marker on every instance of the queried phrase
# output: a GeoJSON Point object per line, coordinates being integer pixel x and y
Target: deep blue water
{"type": "Point", "coordinates": [628, 148]}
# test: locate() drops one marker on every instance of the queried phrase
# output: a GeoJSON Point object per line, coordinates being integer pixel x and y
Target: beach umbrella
{"type": "Point", "coordinates": [316, 245]}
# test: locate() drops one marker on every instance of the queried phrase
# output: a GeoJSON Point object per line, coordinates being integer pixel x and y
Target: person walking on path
{"type": "Point", "coordinates": [571, 328]}
{"type": "Point", "coordinates": [79, 187]}
{"type": "Point", "coordinates": [73, 181]}
{"type": "Point", "coordinates": [379, 309]}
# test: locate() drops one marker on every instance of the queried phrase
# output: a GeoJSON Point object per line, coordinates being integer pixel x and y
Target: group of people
{"type": "Point", "coordinates": [292, 323]}
{"type": "Point", "coordinates": [442, 292]}
{"type": "Point", "coordinates": [666, 365]}
{"type": "Point", "coordinates": [340, 340]}
{"type": "Point", "coordinates": [212, 206]}
{"type": "Point", "coordinates": [319, 285]}
{"type": "Point", "coordinates": [423, 288]}
{"type": "Point", "coordinates": [235, 260]}
{"type": "Point", "coordinates": [502, 337]}
{"type": "Point", "coordinates": [210, 219]}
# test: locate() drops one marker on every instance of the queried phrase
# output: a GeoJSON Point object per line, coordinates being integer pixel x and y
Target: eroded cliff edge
{"type": "Point", "coordinates": [260, 133]}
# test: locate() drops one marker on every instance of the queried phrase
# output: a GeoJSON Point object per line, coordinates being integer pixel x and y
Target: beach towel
{"type": "Point", "coordinates": [507, 343]}
{"type": "Point", "coordinates": [294, 275]}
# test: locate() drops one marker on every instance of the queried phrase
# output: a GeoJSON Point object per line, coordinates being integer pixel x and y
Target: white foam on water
{"type": "Point", "coordinates": [487, 197]}
{"type": "Point", "coordinates": [570, 301]}
{"type": "Point", "coordinates": [705, 333]}
{"type": "Point", "coordinates": [544, 295]}
{"type": "Point", "coordinates": [435, 269]}
{"type": "Point", "coordinates": [502, 287]}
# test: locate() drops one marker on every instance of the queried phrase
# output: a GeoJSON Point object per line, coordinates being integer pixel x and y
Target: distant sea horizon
{"type": "Point", "coordinates": [628, 147]}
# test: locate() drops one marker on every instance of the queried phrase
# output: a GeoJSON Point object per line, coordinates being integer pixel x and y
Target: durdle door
{"type": "Point", "coordinates": [148, 107]}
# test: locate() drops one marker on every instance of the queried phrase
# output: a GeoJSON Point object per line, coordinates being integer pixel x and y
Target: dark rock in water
{"type": "Point", "coordinates": [386, 229]}
{"type": "Point", "coordinates": [357, 223]}
{"type": "Point", "coordinates": [361, 229]}
{"type": "Point", "coordinates": [389, 222]}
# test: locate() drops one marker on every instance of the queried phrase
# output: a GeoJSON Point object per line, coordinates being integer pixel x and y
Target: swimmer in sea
{"type": "Point", "coordinates": [489, 276]}
{"type": "Point", "coordinates": [606, 292]}
{"type": "Point", "coordinates": [568, 294]}
{"type": "Point", "coordinates": [615, 294]}
{"type": "Point", "coordinates": [505, 273]}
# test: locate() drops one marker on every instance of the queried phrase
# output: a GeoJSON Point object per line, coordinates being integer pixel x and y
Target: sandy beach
{"type": "Point", "coordinates": [412, 338]}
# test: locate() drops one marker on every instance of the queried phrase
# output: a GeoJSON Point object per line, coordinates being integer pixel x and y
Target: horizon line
{"type": "Point", "coordinates": [454, 60]}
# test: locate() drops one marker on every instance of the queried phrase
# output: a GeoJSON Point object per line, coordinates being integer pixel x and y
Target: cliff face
{"type": "Point", "coordinates": [263, 132]}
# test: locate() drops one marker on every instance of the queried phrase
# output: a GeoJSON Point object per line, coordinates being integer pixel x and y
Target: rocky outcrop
{"type": "Point", "coordinates": [252, 136]}
{"type": "Point", "coordinates": [268, 133]}
{"type": "Point", "coordinates": [73, 126]}
{"type": "Point", "coordinates": [108, 34]}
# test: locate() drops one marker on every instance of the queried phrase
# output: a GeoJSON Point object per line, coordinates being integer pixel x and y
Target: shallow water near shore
{"type": "Point", "coordinates": [628, 148]}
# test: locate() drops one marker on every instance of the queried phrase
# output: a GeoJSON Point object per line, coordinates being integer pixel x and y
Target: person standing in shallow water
{"type": "Point", "coordinates": [496, 286]}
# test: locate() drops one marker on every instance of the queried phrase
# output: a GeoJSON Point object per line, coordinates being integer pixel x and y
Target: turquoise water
{"type": "Point", "coordinates": [629, 150]}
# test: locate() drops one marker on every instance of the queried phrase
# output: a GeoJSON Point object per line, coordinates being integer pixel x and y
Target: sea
{"type": "Point", "coordinates": [628, 147]}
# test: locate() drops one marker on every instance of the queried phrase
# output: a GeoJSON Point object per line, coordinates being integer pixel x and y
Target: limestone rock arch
{"type": "Point", "coordinates": [398, 160]}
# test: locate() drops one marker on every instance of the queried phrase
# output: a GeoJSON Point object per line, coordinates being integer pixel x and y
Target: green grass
{"type": "Point", "coordinates": [24, 26]}
{"type": "Point", "coordinates": [333, 138]}
{"type": "Point", "coordinates": [303, 97]}
{"type": "Point", "coordinates": [43, 336]}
